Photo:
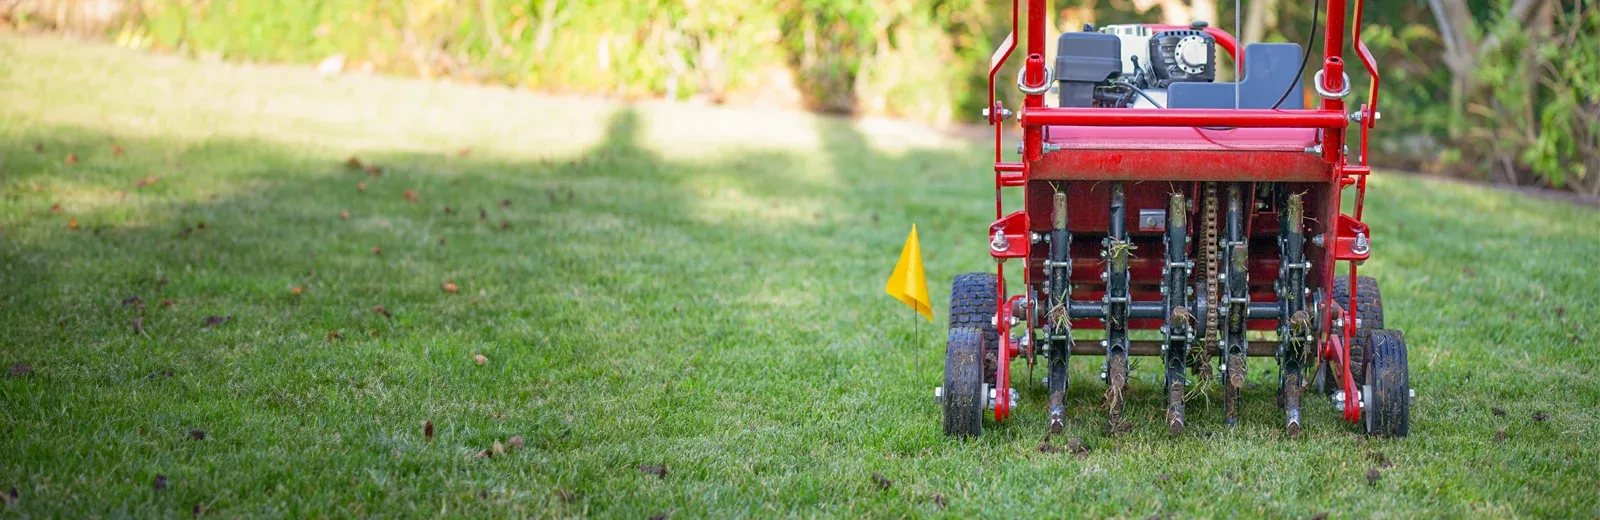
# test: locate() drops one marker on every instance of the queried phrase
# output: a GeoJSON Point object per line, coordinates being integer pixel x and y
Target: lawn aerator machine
{"type": "Point", "coordinates": [1157, 198]}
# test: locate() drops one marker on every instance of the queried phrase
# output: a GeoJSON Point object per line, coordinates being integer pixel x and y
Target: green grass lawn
{"type": "Point", "coordinates": [692, 287]}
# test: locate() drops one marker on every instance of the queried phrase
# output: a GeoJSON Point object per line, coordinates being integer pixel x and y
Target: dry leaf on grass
{"type": "Point", "coordinates": [377, 249]}
{"type": "Point", "coordinates": [146, 181]}
{"type": "Point", "coordinates": [344, 214]}
{"type": "Point", "coordinates": [159, 483]}
{"type": "Point", "coordinates": [374, 170]}
{"type": "Point", "coordinates": [505, 224]}
{"type": "Point", "coordinates": [132, 300]}
{"type": "Point", "coordinates": [212, 321]}
{"type": "Point", "coordinates": [427, 431]}
{"type": "Point", "coordinates": [197, 434]}
{"type": "Point", "coordinates": [297, 290]}
{"type": "Point", "coordinates": [515, 442]}
{"type": "Point", "coordinates": [38, 147]}
{"type": "Point", "coordinates": [361, 186]}
{"type": "Point", "coordinates": [72, 158]}
{"type": "Point", "coordinates": [116, 150]}
{"type": "Point", "coordinates": [19, 370]}
{"type": "Point", "coordinates": [138, 324]}
{"type": "Point", "coordinates": [72, 223]}
{"type": "Point", "coordinates": [410, 195]}
{"type": "Point", "coordinates": [505, 203]}
{"type": "Point", "coordinates": [659, 470]}
{"type": "Point", "coordinates": [450, 288]}
{"type": "Point", "coordinates": [379, 309]}
{"type": "Point", "coordinates": [55, 208]}
{"type": "Point", "coordinates": [353, 163]}
{"type": "Point", "coordinates": [480, 359]}
{"type": "Point", "coordinates": [464, 151]}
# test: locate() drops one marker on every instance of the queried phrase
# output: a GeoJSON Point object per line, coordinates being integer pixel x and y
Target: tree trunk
{"type": "Point", "coordinates": [1457, 27]}
{"type": "Point", "coordinates": [1262, 15]}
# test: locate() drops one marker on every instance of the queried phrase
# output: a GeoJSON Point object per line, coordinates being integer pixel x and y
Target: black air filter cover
{"type": "Point", "coordinates": [1085, 60]}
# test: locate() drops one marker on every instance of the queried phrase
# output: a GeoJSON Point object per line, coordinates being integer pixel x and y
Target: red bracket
{"type": "Point", "coordinates": [1334, 350]}
{"type": "Point", "coordinates": [1352, 240]}
{"type": "Point", "coordinates": [1002, 375]}
{"type": "Point", "coordinates": [1008, 237]}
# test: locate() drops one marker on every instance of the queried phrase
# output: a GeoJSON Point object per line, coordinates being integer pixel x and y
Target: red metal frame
{"type": "Point", "coordinates": [1140, 145]}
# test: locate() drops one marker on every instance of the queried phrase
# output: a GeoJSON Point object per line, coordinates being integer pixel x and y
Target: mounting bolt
{"type": "Point", "coordinates": [938, 394]}
{"type": "Point", "coordinates": [1314, 149]}
{"type": "Point", "coordinates": [1361, 245]}
{"type": "Point", "coordinates": [1357, 116]}
{"type": "Point", "coordinates": [1004, 114]}
{"type": "Point", "coordinates": [999, 243]}
{"type": "Point", "coordinates": [1035, 237]}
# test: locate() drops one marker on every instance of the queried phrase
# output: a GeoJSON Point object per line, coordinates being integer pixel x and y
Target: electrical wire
{"type": "Point", "coordinates": [1142, 94]}
{"type": "Point", "coordinates": [1316, 12]}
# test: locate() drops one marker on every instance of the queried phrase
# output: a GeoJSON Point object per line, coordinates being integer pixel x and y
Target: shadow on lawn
{"type": "Point", "coordinates": [756, 261]}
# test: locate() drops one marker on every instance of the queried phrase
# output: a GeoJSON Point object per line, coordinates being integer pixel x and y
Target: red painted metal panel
{"type": "Point", "coordinates": [1182, 165]}
{"type": "Point", "coordinates": [1182, 138]}
{"type": "Point", "coordinates": [1241, 118]}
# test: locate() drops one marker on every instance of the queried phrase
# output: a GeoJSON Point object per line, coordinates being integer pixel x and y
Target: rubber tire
{"type": "Point", "coordinates": [1369, 310]}
{"type": "Point", "coordinates": [963, 383]}
{"type": "Point", "coordinates": [972, 305]}
{"type": "Point", "coordinates": [1388, 412]}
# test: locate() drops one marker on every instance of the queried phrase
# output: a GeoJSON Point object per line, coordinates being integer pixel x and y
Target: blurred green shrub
{"type": "Point", "coordinates": [899, 57]}
{"type": "Point", "coordinates": [1529, 117]}
{"type": "Point", "coordinates": [1537, 106]}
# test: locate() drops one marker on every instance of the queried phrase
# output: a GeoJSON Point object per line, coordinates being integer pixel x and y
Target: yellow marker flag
{"type": "Point", "coordinates": [908, 283]}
